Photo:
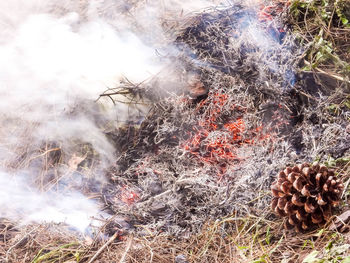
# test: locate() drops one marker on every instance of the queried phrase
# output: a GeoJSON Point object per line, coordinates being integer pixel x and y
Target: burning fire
{"type": "Point", "coordinates": [222, 128]}
{"type": "Point", "coordinates": [216, 138]}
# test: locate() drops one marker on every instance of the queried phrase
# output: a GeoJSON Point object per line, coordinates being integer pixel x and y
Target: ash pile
{"type": "Point", "coordinates": [213, 149]}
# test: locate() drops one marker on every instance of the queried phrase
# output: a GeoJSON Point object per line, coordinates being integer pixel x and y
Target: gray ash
{"type": "Point", "coordinates": [177, 190]}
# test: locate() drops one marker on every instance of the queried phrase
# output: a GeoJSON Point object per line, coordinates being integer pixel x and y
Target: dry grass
{"type": "Point", "coordinates": [324, 30]}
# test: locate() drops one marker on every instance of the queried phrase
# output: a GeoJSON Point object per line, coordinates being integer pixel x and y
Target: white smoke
{"type": "Point", "coordinates": [51, 63]}
{"type": "Point", "coordinates": [19, 201]}
{"type": "Point", "coordinates": [56, 58]}
{"type": "Point", "coordinates": [50, 66]}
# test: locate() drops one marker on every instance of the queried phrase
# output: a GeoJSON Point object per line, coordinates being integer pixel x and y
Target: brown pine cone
{"type": "Point", "coordinates": [306, 195]}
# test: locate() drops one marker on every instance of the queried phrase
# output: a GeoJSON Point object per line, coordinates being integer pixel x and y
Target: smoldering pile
{"type": "Point", "coordinates": [215, 149]}
{"type": "Point", "coordinates": [205, 146]}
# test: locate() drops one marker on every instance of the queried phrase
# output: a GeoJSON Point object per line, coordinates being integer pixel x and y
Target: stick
{"type": "Point", "coordinates": [19, 242]}
{"type": "Point", "coordinates": [329, 74]}
{"type": "Point", "coordinates": [103, 247]}
{"type": "Point", "coordinates": [122, 259]}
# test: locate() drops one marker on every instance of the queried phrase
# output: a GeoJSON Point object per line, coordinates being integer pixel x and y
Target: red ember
{"type": "Point", "coordinates": [216, 141]}
{"type": "Point", "coordinates": [127, 196]}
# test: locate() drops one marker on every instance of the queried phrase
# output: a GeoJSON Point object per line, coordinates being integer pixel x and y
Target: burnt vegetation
{"type": "Point", "coordinates": [193, 175]}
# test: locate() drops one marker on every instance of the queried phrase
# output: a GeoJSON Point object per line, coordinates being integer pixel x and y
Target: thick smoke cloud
{"type": "Point", "coordinates": [56, 58]}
